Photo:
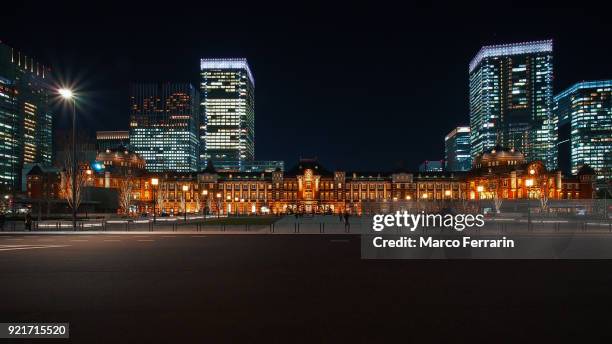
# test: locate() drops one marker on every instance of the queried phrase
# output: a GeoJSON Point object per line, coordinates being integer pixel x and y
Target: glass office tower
{"type": "Point", "coordinates": [511, 99]}
{"type": "Point", "coordinates": [112, 139]}
{"type": "Point", "coordinates": [227, 126]}
{"type": "Point", "coordinates": [584, 113]}
{"type": "Point", "coordinates": [457, 150]}
{"type": "Point", "coordinates": [26, 122]}
{"type": "Point", "coordinates": [164, 125]}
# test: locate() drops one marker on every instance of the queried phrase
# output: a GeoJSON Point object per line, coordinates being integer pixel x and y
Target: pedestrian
{"type": "Point", "coordinates": [28, 222]}
{"type": "Point", "coordinates": [346, 220]}
{"type": "Point", "coordinates": [2, 219]}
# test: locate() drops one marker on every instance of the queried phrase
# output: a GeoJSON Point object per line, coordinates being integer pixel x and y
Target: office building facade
{"type": "Point", "coordinates": [227, 126]}
{"type": "Point", "coordinates": [164, 125]}
{"type": "Point", "coordinates": [26, 122]}
{"type": "Point", "coordinates": [112, 139]}
{"type": "Point", "coordinates": [584, 115]}
{"type": "Point", "coordinates": [511, 98]}
{"type": "Point", "coordinates": [457, 150]}
{"type": "Point", "coordinates": [432, 166]}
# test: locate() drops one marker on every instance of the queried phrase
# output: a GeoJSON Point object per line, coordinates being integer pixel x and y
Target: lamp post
{"type": "Point", "coordinates": [69, 96]}
{"type": "Point", "coordinates": [185, 189]}
{"type": "Point", "coordinates": [218, 205]}
{"type": "Point", "coordinates": [154, 183]}
{"type": "Point", "coordinates": [205, 195]}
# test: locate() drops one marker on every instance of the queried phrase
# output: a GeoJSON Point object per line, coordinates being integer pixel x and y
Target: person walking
{"type": "Point", "coordinates": [28, 221]}
{"type": "Point", "coordinates": [2, 220]}
{"type": "Point", "coordinates": [347, 225]}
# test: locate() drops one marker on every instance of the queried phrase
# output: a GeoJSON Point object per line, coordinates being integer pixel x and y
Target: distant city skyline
{"type": "Point", "coordinates": [330, 91]}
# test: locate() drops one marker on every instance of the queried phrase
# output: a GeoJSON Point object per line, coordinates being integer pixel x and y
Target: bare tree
{"type": "Point", "coordinates": [125, 193]}
{"type": "Point", "coordinates": [543, 202]}
{"type": "Point", "coordinates": [65, 160]}
{"type": "Point", "coordinates": [497, 201]}
{"type": "Point", "coordinates": [183, 203]}
{"type": "Point", "coordinates": [198, 202]}
{"type": "Point", "coordinates": [161, 199]}
{"type": "Point", "coordinates": [74, 201]}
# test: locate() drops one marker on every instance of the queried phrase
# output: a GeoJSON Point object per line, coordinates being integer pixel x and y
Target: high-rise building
{"type": "Point", "coordinates": [511, 95]}
{"type": "Point", "coordinates": [26, 122]}
{"type": "Point", "coordinates": [112, 139]}
{"type": "Point", "coordinates": [227, 127]}
{"type": "Point", "coordinates": [432, 166]}
{"type": "Point", "coordinates": [457, 150]}
{"type": "Point", "coordinates": [584, 113]}
{"type": "Point", "coordinates": [164, 125]}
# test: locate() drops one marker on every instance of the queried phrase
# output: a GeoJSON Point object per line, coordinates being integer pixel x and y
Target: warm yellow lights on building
{"type": "Point", "coordinates": [532, 171]}
{"type": "Point", "coordinates": [529, 182]}
{"type": "Point", "coordinates": [480, 188]}
{"type": "Point", "coordinates": [154, 181]}
{"type": "Point", "coordinates": [447, 193]}
{"type": "Point", "coordinates": [424, 195]}
{"type": "Point", "coordinates": [185, 188]}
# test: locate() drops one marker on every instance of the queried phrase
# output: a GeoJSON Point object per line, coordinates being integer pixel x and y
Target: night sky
{"type": "Point", "coordinates": [364, 88]}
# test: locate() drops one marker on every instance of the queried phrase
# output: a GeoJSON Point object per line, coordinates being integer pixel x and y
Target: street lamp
{"type": "Point", "coordinates": [154, 183]}
{"type": "Point", "coordinates": [69, 97]}
{"type": "Point", "coordinates": [218, 204]}
{"type": "Point", "coordinates": [205, 194]}
{"type": "Point", "coordinates": [185, 189]}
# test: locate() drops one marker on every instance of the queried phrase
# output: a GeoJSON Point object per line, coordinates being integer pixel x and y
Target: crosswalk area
{"type": "Point", "coordinates": [17, 243]}
{"type": "Point", "coordinates": [27, 247]}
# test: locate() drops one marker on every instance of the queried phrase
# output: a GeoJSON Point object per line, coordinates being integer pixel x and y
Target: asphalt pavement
{"type": "Point", "coordinates": [289, 288]}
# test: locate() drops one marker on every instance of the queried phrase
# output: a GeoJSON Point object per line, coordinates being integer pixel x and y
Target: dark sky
{"type": "Point", "coordinates": [360, 87]}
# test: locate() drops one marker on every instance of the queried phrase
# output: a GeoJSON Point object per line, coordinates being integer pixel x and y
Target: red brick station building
{"type": "Point", "coordinates": [310, 187]}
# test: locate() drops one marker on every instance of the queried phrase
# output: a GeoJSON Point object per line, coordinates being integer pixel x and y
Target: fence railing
{"type": "Point", "coordinates": [310, 226]}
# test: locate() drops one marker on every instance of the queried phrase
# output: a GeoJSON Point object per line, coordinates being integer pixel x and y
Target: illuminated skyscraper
{"type": "Point", "coordinates": [164, 125]}
{"type": "Point", "coordinates": [457, 150]}
{"type": "Point", "coordinates": [227, 126]}
{"type": "Point", "coordinates": [26, 123]}
{"type": "Point", "coordinates": [112, 139]}
{"type": "Point", "coordinates": [584, 113]}
{"type": "Point", "coordinates": [511, 99]}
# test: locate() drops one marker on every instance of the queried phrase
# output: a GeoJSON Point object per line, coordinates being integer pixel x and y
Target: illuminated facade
{"type": "Point", "coordinates": [26, 122]}
{"type": "Point", "coordinates": [112, 139]}
{"type": "Point", "coordinates": [309, 187]}
{"type": "Point", "coordinates": [505, 174]}
{"type": "Point", "coordinates": [227, 125]}
{"type": "Point", "coordinates": [164, 125]}
{"type": "Point", "coordinates": [584, 114]}
{"type": "Point", "coordinates": [457, 150]}
{"type": "Point", "coordinates": [511, 100]}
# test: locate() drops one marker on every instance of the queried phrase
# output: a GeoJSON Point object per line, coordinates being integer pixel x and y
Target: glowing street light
{"type": "Point", "coordinates": [185, 189]}
{"type": "Point", "coordinates": [154, 183]}
{"type": "Point", "coordinates": [68, 95]}
{"type": "Point", "coordinates": [205, 195]}
{"type": "Point", "coordinates": [65, 93]}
